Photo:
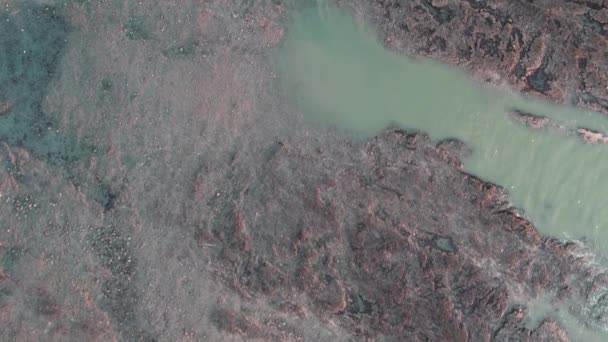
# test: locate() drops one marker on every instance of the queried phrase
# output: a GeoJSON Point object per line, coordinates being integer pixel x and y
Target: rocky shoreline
{"type": "Point", "coordinates": [174, 204]}
{"type": "Point", "coordinates": [391, 239]}
{"type": "Point", "coordinates": [552, 49]}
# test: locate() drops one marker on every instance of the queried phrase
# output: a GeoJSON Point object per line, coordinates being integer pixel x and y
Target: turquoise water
{"type": "Point", "coordinates": [336, 72]}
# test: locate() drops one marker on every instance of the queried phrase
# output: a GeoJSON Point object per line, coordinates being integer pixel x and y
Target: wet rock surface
{"type": "Point", "coordinates": [553, 49]}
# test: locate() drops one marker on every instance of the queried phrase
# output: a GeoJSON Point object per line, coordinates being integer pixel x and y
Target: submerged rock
{"type": "Point", "coordinates": [532, 120]}
{"type": "Point", "coordinates": [542, 122]}
{"type": "Point", "coordinates": [553, 49]}
{"type": "Point", "coordinates": [32, 43]}
{"type": "Point", "coordinates": [4, 108]}
{"type": "Point", "coordinates": [591, 136]}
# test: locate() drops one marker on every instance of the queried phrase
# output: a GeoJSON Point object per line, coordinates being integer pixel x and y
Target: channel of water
{"type": "Point", "coordinates": [336, 72]}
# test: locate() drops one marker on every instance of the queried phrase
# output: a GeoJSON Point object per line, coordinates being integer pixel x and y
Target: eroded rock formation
{"type": "Point", "coordinates": [389, 238]}
{"type": "Point", "coordinates": [182, 225]}
{"type": "Point", "coordinates": [592, 136]}
{"type": "Point", "coordinates": [533, 120]}
{"type": "Point", "coordinates": [554, 49]}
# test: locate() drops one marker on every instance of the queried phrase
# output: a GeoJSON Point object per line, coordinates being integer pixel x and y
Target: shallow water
{"type": "Point", "coordinates": [336, 72]}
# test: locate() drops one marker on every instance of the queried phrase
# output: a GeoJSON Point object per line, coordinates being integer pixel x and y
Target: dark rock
{"type": "Point", "coordinates": [106, 84]}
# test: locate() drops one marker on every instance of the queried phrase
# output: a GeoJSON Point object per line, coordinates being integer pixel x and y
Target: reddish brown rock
{"type": "Point", "coordinates": [553, 49]}
{"type": "Point", "coordinates": [389, 238]}
{"type": "Point", "coordinates": [222, 233]}
{"type": "Point", "coordinates": [591, 136]}
{"type": "Point", "coordinates": [532, 120]}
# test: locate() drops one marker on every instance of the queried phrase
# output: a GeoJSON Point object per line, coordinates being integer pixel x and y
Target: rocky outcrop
{"type": "Point", "coordinates": [389, 238]}
{"type": "Point", "coordinates": [532, 120]}
{"type": "Point", "coordinates": [592, 136]}
{"type": "Point", "coordinates": [554, 49]}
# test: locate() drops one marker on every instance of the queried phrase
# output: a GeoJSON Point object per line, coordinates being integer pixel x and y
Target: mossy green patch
{"type": "Point", "coordinates": [135, 28]}
{"type": "Point", "coordinates": [31, 45]}
{"type": "Point", "coordinates": [10, 257]}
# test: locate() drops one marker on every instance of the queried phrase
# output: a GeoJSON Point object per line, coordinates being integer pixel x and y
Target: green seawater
{"type": "Point", "coordinates": [336, 72]}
